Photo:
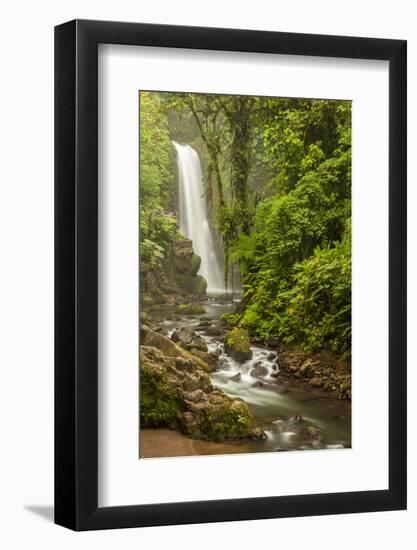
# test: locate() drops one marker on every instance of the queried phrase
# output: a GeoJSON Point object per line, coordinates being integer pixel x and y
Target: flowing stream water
{"type": "Point", "coordinates": [294, 415]}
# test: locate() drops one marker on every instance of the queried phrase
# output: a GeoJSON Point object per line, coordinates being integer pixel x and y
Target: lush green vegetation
{"type": "Point", "coordinates": [160, 404]}
{"type": "Point", "coordinates": [278, 180]}
{"type": "Point", "coordinates": [156, 182]}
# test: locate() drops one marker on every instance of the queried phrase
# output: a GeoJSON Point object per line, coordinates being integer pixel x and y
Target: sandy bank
{"type": "Point", "coordinates": [162, 442]}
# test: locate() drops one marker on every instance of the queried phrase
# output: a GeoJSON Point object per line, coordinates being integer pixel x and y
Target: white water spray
{"type": "Point", "coordinates": [193, 217]}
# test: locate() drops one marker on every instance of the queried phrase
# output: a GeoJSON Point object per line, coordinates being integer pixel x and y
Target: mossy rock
{"type": "Point", "coordinates": [191, 309]}
{"type": "Point", "coordinates": [148, 337]}
{"type": "Point", "coordinates": [194, 285]}
{"type": "Point", "coordinates": [237, 345]}
{"type": "Point", "coordinates": [231, 319]}
{"type": "Point", "coordinates": [188, 264]}
{"type": "Point", "coordinates": [160, 403]}
{"type": "Point", "coordinates": [177, 393]}
{"type": "Point", "coordinates": [199, 285]}
{"type": "Point", "coordinates": [224, 423]}
{"type": "Point", "coordinates": [144, 318]}
{"type": "Point", "coordinates": [195, 264]}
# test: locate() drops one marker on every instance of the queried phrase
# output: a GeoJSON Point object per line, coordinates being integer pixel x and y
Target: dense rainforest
{"type": "Point", "coordinates": [277, 176]}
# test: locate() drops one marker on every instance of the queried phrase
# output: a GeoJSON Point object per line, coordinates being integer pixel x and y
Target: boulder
{"type": "Point", "coordinates": [273, 343]}
{"type": "Point", "coordinates": [194, 286]}
{"type": "Point", "coordinates": [185, 260]}
{"type": "Point", "coordinates": [177, 393]}
{"type": "Point", "coordinates": [144, 317]}
{"type": "Point", "coordinates": [214, 330]}
{"type": "Point", "coordinates": [259, 372]}
{"type": "Point", "coordinates": [183, 336]}
{"type": "Point", "coordinates": [169, 348]}
{"type": "Point", "coordinates": [191, 309]}
{"type": "Point", "coordinates": [237, 345]}
{"type": "Point", "coordinates": [199, 285]}
{"type": "Point", "coordinates": [197, 344]}
{"type": "Point", "coordinates": [209, 358]}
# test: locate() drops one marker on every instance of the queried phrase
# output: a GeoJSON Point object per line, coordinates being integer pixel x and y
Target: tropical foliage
{"type": "Point", "coordinates": [278, 180]}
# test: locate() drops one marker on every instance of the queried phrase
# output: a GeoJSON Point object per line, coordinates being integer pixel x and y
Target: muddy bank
{"type": "Point", "coordinates": [168, 443]}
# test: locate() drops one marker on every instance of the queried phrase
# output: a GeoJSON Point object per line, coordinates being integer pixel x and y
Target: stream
{"type": "Point", "coordinates": [294, 415]}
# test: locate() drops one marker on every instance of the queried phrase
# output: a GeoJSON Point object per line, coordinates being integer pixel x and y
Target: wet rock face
{"type": "Point", "coordinates": [186, 262]}
{"type": "Point", "coordinates": [237, 345]}
{"type": "Point", "coordinates": [176, 392]}
{"type": "Point", "coordinates": [176, 281]}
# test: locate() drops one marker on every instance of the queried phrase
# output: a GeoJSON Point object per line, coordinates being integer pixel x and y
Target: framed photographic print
{"type": "Point", "coordinates": [230, 275]}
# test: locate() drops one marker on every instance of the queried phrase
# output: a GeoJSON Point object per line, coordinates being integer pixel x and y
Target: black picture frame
{"type": "Point", "coordinates": [76, 273]}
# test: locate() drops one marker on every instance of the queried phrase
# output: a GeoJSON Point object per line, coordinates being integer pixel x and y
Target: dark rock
{"type": "Point", "coordinates": [273, 343]}
{"type": "Point", "coordinates": [185, 335]}
{"type": "Point", "coordinates": [223, 362]}
{"type": "Point", "coordinates": [217, 351]}
{"type": "Point", "coordinates": [257, 433]}
{"type": "Point", "coordinates": [197, 345]}
{"type": "Point", "coordinates": [236, 377]}
{"type": "Point", "coordinates": [175, 336]}
{"type": "Point", "coordinates": [214, 330]}
{"type": "Point", "coordinates": [309, 433]}
{"type": "Point", "coordinates": [190, 309]}
{"type": "Point", "coordinates": [259, 372]}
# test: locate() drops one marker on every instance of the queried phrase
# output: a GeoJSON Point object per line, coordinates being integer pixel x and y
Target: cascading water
{"type": "Point", "coordinates": [193, 217]}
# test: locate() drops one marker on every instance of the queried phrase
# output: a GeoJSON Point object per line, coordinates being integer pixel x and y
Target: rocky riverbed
{"type": "Point", "coordinates": [232, 393]}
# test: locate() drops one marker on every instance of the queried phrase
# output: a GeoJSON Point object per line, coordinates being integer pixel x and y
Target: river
{"type": "Point", "coordinates": [294, 415]}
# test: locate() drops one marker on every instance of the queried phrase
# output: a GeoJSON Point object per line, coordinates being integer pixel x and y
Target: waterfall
{"type": "Point", "coordinates": [194, 220]}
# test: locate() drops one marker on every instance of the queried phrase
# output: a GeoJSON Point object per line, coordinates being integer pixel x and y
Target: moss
{"type": "Point", "coordinates": [226, 423]}
{"type": "Point", "coordinates": [199, 285]}
{"type": "Point", "coordinates": [195, 262]}
{"type": "Point", "coordinates": [178, 394]}
{"type": "Point", "coordinates": [144, 318]}
{"type": "Point", "coordinates": [160, 404]}
{"type": "Point", "coordinates": [188, 309]}
{"type": "Point", "coordinates": [195, 285]}
{"type": "Point", "coordinates": [231, 319]}
{"type": "Point", "coordinates": [238, 339]}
